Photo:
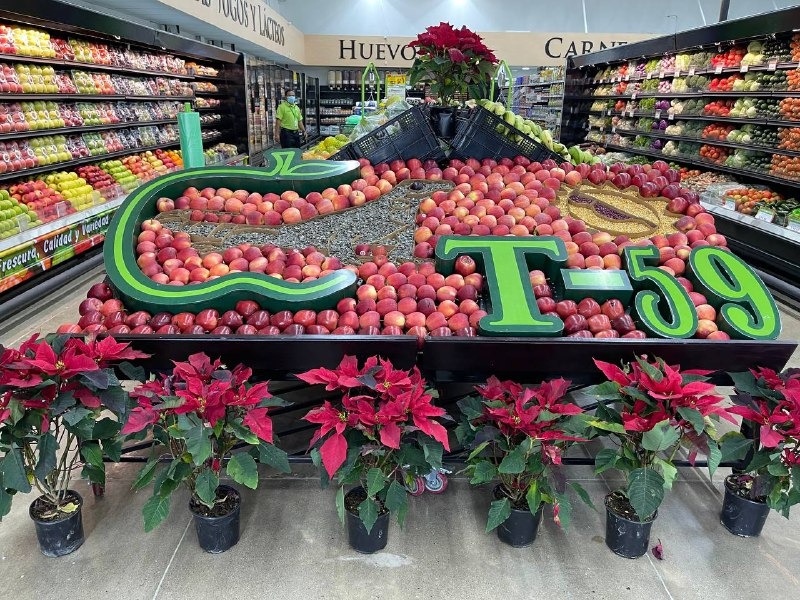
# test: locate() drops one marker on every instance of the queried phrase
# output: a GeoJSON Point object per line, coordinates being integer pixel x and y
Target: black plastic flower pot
{"type": "Point", "coordinates": [218, 533]}
{"type": "Point", "coordinates": [443, 121]}
{"type": "Point", "coordinates": [61, 536]}
{"type": "Point", "coordinates": [742, 516]}
{"type": "Point", "coordinates": [357, 536]}
{"type": "Point", "coordinates": [625, 537]}
{"type": "Point", "coordinates": [519, 530]}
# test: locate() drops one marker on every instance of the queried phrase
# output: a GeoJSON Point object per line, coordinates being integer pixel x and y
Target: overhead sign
{"type": "Point", "coordinates": [534, 49]}
{"type": "Point", "coordinates": [251, 20]}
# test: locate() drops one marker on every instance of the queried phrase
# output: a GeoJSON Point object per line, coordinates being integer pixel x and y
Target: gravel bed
{"type": "Point", "coordinates": [388, 220]}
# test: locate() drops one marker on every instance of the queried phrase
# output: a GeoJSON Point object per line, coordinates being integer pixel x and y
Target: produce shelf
{"type": "Point", "coordinates": [82, 161]}
{"type": "Point", "coordinates": [702, 94]}
{"type": "Point", "coordinates": [216, 94]}
{"type": "Point", "coordinates": [726, 144]}
{"type": "Point", "coordinates": [80, 97]}
{"type": "Point", "coordinates": [781, 66]}
{"type": "Point", "coordinates": [26, 236]}
{"type": "Point", "coordinates": [72, 64]}
{"type": "Point", "coordinates": [707, 165]}
{"type": "Point", "coordinates": [84, 128]}
{"type": "Point", "coordinates": [682, 117]}
{"type": "Point", "coordinates": [228, 161]}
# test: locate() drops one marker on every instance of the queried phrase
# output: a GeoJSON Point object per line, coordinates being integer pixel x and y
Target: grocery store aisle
{"type": "Point", "coordinates": [292, 545]}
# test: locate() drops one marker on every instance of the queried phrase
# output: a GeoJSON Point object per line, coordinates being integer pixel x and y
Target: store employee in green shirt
{"type": "Point", "coordinates": [289, 122]}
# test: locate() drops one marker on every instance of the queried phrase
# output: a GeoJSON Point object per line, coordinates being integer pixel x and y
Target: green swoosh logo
{"type": "Point", "coordinates": [141, 293]}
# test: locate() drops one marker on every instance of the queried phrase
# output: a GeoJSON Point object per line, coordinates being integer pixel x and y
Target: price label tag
{"type": "Point", "coordinates": [658, 114]}
{"type": "Point", "coordinates": [627, 77]}
{"type": "Point", "coordinates": [765, 214]}
{"type": "Point", "coordinates": [772, 65]}
{"type": "Point", "coordinates": [630, 113]}
{"type": "Point", "coordinates": [633, 96]}
{"type": "Point", "coordinates": [718, 70]}
{"type": "Point", "coordinates": [677, 73]}
{"type": "Point", "coordinates": [729, 203]}
{"type": "Point", "coordinates": [650, 75]}
{"type": "Point", "coordinates": [671, 116]}
{"type": "Point", "coordinates": [793, 224]}
{"type": "Point", "coordinates": [613, 129]}
{"type": "Point", "coordinates": [538, 97]}
{"type": "Point", "coordinates": [609, 112]}
{"type": "Point", "coordinates": [691, 71]}
{"type": "Point", "coordinates": [743, 69]}
{"type": "Point", "coordinates": [662, 74]}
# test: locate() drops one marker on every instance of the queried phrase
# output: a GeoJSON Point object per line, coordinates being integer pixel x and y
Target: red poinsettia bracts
{"type": "Point", "coordinates": [537, 412]}
{"type": "Point", "coordinates": [378, 401]}
{"type": "Point", "coordinates": [451, 60]}
{"type": "Point", "coordinates": [668, 389]}
{"type": "Point", "coordinates": [206, 390]}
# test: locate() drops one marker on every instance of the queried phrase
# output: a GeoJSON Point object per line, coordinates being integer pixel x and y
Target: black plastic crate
{"type": "Point", "coordinates": [408, 135]}
{"type": "Point", "coordinates": [479, 137]}
{"type": "Point", "coordinates": [344, 153]}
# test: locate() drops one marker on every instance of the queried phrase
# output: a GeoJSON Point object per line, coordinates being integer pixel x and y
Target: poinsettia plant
{"type": "Point", "coordinates": [651, 410]}
{"type": "Point", "coordinates": [60, 403]}
{"type": "Point", "coordinates": [199, 413]}
{"type": "Point", "coordinates": [381, 433]}
{"type": "Point", "coordinates": [771, 402]}
{"type": "Point", "coordinates": [452, 61]}
{"type": "Point", "coordinates": [518, 435]}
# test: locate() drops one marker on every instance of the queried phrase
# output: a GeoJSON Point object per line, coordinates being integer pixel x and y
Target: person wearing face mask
{"type": "Point", "coordinates": [289, 122]}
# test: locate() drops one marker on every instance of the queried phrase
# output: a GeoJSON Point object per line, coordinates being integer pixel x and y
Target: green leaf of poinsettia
{"type": "Point", "coordinates": [499, 511]}
{"type": "Point", "coordinates": [368, 511]}
{"type": "Point", "coordinates": [513, 462]}
{"type": "Point", "coordinates": [483, 471]}
{"type": "Point", "coordinates": [376, 480]}
{"type": "Point", "coordinates": [205, 486]}
{"type": "Point", "coordinates": [397, 501]}
{"type": "Point", "coordinates": [694, 417]}
{"type": "Point", "coordinates": [13, 468]}
{"type": "Point", "coordinates": [145, 474]}
{"type": "Point", "coordinates": [242, 469]}
{"type": "Point", "coordinates": [198, 444]}
{"type": "Point", "coordinates": [605, 459]}
{"type": "Point", "coordinates": [714, 457]}
{"type": "Point", "coordinates": [47, 447]}
{"type": "Point", "coordinates": [660, 437]}
{"type": "Point", "coordinates": [668, 471]}
{"type": "Point", "coordinates": [154, 511]}
{"type": "Point", "coordinates": [340, 504]}
{"type": "Point", "coordinates": [645, 491]}
{"type": "Point", "coordinates": [271, 455]}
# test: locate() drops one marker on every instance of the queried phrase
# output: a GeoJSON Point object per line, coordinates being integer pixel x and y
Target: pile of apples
{"type": "Point", "coordinates": [99, 180]}
{"type": "Point", "coordinates": [39, 197]}
{"type": "Point", "coordinates": [15, 216]}
{"type": "Point", "coordinates": [242, 207]}
{"type": "Point", "coordinates": [73, 188]}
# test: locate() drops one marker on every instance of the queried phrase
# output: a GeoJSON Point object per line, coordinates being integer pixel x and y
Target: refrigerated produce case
{"type": "Point", "coordinates": [88, 111]}
{"type": "Point", "coordinates": [723, 99]}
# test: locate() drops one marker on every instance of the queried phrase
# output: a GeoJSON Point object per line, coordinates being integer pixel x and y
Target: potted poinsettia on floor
{"type": "Point", "coordinates": [770, 401]}
{"type": "Point", "coordinates": [518, 435]}
{"type": "Point", "coordinates": [378, 437]}
{"type": "Point", "coordinates": [651, 410]}
{"type": "Point", "coordinates": [199, 414]}
{"type": "Point", "coordinates": [60, 404]}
